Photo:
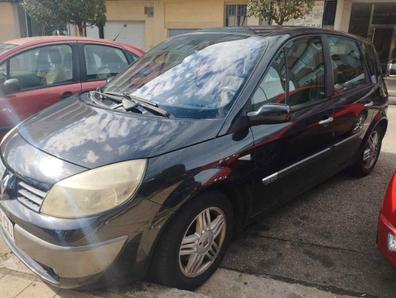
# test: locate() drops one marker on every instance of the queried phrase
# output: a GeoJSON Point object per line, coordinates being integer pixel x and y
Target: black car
{"type": "Point", "coordinates": [155, 172]}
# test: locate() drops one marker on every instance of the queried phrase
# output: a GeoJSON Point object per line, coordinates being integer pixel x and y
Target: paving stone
{"type": "Point", "coordinates": [14, 264]}
{"type": "Point", "coordinates": [10, 286]}
{"type": "Point", "coordinates": [4, 250]}
{"type": "Point", "coordinates": [38, 290]}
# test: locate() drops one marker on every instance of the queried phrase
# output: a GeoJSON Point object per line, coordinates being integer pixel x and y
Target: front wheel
{"type": "Point", "coordinates": [369, 155]}
{"type": "Point", "coordinates": [194, 243]}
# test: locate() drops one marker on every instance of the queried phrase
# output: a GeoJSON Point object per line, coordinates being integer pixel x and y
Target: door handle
{"type": "Point", "coordinates": [66, 94]}
{"type": "Point", "coordinates": [369, 104]}
{"type": "Point", "coordinates": [326, 121]}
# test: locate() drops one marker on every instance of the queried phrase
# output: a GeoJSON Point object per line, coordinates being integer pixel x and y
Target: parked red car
{"type": "Point", "coordinates": [386, 237]}
{"type": "Point", "coordinates": [36, 72]}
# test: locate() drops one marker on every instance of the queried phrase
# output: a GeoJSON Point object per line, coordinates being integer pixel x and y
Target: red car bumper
{"type": "Point", "coordinates": [385, 228]}
{"type": "Point", "coordinates": [386, 234]}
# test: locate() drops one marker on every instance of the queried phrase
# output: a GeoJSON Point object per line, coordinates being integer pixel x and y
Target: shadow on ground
{"type": "Point", "coordinates": [325, 238]}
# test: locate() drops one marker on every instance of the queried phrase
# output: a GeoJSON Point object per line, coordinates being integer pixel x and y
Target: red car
{"type": "Point", "coordinates": [386, 237]}
{"type": "Point", "coordinates": [36, 72]}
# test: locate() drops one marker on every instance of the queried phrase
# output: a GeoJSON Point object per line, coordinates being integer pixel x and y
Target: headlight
{"type": "Point", "coordinates": [94, 191]}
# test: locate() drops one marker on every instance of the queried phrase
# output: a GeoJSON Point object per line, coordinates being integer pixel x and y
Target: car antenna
{"type": "Point", "coordinates": [115, 38]}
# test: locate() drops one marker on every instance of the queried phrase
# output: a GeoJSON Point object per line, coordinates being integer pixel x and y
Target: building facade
{"type": "Point", "coordinates": [145, 23]}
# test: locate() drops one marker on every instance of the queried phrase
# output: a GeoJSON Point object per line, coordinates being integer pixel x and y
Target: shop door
{"type": "Point", "coordinates": [382, 39]}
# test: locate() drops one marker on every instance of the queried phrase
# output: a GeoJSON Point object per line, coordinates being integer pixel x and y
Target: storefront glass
{"type": "Point", "coordinates": [377, 21]}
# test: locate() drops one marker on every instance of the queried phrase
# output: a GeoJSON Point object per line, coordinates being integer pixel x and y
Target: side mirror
{"type": "Point", "coordinates": [269, 114]}
{"type": "Point", "coordinates": [11, 86]}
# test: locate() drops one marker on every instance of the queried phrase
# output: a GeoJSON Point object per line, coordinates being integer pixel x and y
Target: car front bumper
{"type": "Point", "coordinates": [55, 263]}
{"type": "Point", "coordinates": [75, 253]}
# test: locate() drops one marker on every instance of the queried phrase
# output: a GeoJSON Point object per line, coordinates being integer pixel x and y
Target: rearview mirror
{"type": "Point", "coordinates": [11, 86]}
{"type": "Point", "coordinates": [269, 114]}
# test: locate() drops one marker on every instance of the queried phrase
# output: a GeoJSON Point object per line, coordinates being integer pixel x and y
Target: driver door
{"type": "Point", "coordinates": [43, 76]}
{"type": "Point", "coordinates": [291, 157]}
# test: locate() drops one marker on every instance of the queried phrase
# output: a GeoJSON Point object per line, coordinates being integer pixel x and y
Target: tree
{"type": "Point", "coordinates": [47, 15]}
{"type": "Point", "coordinates": [279, 11]}
{"type": "Point", "coordinates": [76, 12]}
{"type": "Point", "coordinates": [85, 12]}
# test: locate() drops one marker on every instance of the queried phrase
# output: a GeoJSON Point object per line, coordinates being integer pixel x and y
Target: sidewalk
{"type": "Point", "coordinates": [17, 281]}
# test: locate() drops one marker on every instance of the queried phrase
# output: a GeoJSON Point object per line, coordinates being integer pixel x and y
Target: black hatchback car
{"type": "Point", "coordinates": [155, 172]}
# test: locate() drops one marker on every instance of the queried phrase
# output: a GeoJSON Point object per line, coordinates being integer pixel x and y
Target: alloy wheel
{"type": "Point", "coordinates": [202, 242]}
{"type": "Point", "coordinates": [371, 151]}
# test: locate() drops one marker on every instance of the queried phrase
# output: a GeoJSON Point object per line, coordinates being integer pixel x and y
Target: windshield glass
{"type": "Point", "coordinates": [4, 47]}
{"type": "Point", "coordinates": [192, 76]}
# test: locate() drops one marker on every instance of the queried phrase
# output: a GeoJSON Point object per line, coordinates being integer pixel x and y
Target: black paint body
{"type": "Point", "coordinates": [257, 167]}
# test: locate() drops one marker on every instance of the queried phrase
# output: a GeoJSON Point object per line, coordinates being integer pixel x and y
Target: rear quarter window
{"type": "Point", "coordinates": [347, 63]}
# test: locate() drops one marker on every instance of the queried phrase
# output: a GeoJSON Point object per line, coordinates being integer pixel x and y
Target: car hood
{"type": "Point", "coordinates": [90, 136]}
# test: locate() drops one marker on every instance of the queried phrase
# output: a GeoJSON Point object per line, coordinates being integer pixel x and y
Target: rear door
{"type": "Point", "coordinates": [355, 90]}
{"type": "Point", "coordinates": [45, 75]}
{"type": "Point", "coordinates": [292, 157]}
{"type": "Point", "coordinates": [99, 63]}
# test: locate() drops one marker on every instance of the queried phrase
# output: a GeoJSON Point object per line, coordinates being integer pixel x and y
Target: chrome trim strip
{"type": "Point", "coordinates": [33, 190]}
{"type": "Point", "coordinates": [28, 203]}
{"type": "Point", "coordinates": [346, 140]}
{"type": "Point", "coordinates": [270, 178]}
{"type": "Point", "coordinates": [304, 160]}
{"type": "Point", "coordinates": [30, 196]}
{"type": "Point", "coordinates": [275, 175]}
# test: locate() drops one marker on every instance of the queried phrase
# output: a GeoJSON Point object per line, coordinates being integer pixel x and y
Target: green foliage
{"type": "Point", "coordinates": [58, 13]}
{"type": "Point", "coordinates": [47, 14]}
{"type": "Point", "coordinates": [279, 11]}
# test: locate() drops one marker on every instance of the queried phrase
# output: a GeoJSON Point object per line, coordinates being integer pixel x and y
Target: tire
{"type": "Point", "coordinates": [173, 266]}
{"type": "Point", "coordinates": [367, 157]}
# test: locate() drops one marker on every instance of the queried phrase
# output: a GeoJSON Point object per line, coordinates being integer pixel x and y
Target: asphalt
{"type": "Point", "coordinates": [326, 238]}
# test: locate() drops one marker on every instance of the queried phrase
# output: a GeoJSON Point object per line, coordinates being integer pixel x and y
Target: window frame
{"type": "Point", "coordinates": [75, 76]}
{"type": "Point", "coordinates": [328, 75]}
{"type": "Point", "coordinates": [131, 57]}
{"type": "Point", "coordinates": [237, 5]}
{"type": "Point", "coordinates": [358, 44]}
{"type": "Point", "coordinates": [83, 62]}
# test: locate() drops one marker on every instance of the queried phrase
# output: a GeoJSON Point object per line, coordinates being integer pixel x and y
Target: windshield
{"type": "Point", "coordinates": [4, 47]}
{"type": "Point", "coordinates": [192, 76]}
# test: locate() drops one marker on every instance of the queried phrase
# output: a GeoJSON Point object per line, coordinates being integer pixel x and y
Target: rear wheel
{"type": "Point", "coordinates": [370, 153]}
{"type": "Point", "coordinates": [194, 243]}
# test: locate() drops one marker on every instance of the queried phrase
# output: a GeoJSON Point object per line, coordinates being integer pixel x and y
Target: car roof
{"type": "Point", "coordinates": [45, 39]}
{"type": "Point", "coordinates": [37, 40]}
{"type": "Point", "coordinates": [277, 30]}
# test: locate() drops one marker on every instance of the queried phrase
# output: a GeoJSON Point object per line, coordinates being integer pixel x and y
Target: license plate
{"type": "Point", "coordinates": [7, 225]}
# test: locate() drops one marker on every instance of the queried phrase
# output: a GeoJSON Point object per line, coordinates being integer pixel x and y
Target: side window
{"type": "Point", "coordinates": [346, 62]}
{"type": "Point", "coordinates": [42, 67]}
{"type": "Point", "coordinates": [272, 88]}
{"type": "Point", "coordinates": [295, 77]}
{"type": "Point", "coordinates": [131, 56]}
{"type": "Point", "coordinates": [3, 72]}
{"type": "Point", "coordinates": [305, 71]}
{"type": "Point", "coordinates": [103, 62]}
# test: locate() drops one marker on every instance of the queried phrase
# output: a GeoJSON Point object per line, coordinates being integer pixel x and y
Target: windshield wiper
{"type": "Point", "coordinates": [129, 102]}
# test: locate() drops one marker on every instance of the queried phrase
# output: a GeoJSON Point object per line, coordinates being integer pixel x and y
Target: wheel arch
{"type": "Point", "coordinates": [237, 198]}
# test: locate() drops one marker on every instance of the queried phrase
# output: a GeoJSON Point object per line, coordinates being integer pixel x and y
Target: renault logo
{"type": "Point", "coordinates": [4, 184]}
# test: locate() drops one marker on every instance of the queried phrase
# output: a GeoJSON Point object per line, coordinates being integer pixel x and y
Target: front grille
{"type": "Point", "coordinates": [30, 196]}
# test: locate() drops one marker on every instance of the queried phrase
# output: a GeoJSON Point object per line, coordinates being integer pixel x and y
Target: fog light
{"type": "Point", "coordinates": [391, 242]}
